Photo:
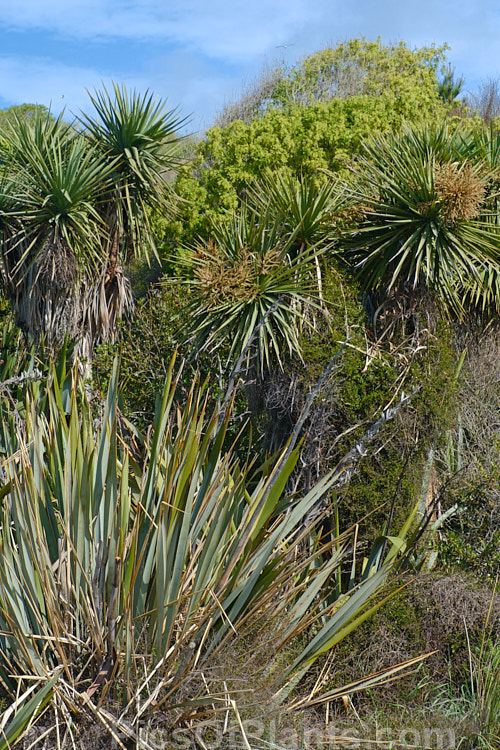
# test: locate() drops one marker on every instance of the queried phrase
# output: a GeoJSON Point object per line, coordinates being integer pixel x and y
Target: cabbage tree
{"type": "Point", "coordinates": [256, 282]}
{"type": "Point", "coordinates": [77, 200]}
{"type": "Point", "coordinates": [425, 216]}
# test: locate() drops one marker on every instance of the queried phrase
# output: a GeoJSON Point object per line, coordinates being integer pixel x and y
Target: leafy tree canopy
{"type": "Point", "coordinates": [20, 112]}
{"type": "Point", "coordinates": [410, 78]}
{"type": "Point", "coordinates": [309, 118]}
{"type": "Point", "coordinates": [25, 112]}
{"type": "Point", "coordinates": [362, 67]}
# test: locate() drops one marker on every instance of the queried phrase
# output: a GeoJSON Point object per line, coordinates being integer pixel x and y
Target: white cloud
{"type": "Point", "coordinates": [240, 31]}
{"type": "Point", "coordinates": [180, 79]}
{"type": "Point", "coordinates": [199, 53]}
{"type": "Point", "coordinates": [202, 50]}
{"type": "Point", "coordinates": [471, 29]}
{"type": "Point", "coordinates": [42, 81]}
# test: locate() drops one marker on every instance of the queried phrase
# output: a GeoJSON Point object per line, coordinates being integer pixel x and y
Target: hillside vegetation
{"type": "Point", "coordinates": [249, 398]}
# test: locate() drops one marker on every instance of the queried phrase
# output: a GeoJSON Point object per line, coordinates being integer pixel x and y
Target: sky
{"type": "Point", "coordinates": [198, 54]}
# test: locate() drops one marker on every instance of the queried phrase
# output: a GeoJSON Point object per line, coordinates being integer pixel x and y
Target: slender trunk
{"type": "Point", "coordinates": [113, 252]}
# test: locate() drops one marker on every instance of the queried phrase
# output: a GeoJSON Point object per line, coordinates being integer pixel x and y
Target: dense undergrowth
{"type": "Point", "coordinates": [264, 511]}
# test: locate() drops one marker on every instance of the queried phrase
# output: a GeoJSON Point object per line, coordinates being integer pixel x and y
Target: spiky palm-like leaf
{"type": "Point", "coordinates": [54, 232]}
{"type": "Point", "coordinates": [302, 208]}
{"type": "Point", "coordinates": [79, 203]}
{"type": "Point", "coordinates": [480, 144]}
{"type": "Point", "coordinates": [250, 275]}
{"type": "Point", "coordinates": [57, 177]}
{"type": "Point", "coordinates": [422, 214]}
{"type": "Point", "coordinates": [138, 137]}
{"type": "Point", "coordinates": [251, 283]}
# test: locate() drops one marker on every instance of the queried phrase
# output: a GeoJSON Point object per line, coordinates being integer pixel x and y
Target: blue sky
{"type": "Point", "coordinates": [198, 53]}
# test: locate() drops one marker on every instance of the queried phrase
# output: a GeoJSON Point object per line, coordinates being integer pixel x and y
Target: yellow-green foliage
{"type": "Point", "coordinates": [321, 136]}
{"type": "Point", "coordinates": [311, 123]}
{"type": "Point", "coordinates": [394, 72]}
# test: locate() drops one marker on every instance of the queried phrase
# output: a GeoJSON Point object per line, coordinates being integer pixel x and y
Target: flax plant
{"type": "Point", "coordinates": [131, 561]}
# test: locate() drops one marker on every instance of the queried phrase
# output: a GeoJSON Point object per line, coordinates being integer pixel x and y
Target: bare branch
{"type": "Point", "coordinates": [22, 378]}
{"type": "Point", "coordinates": [347, 465]}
